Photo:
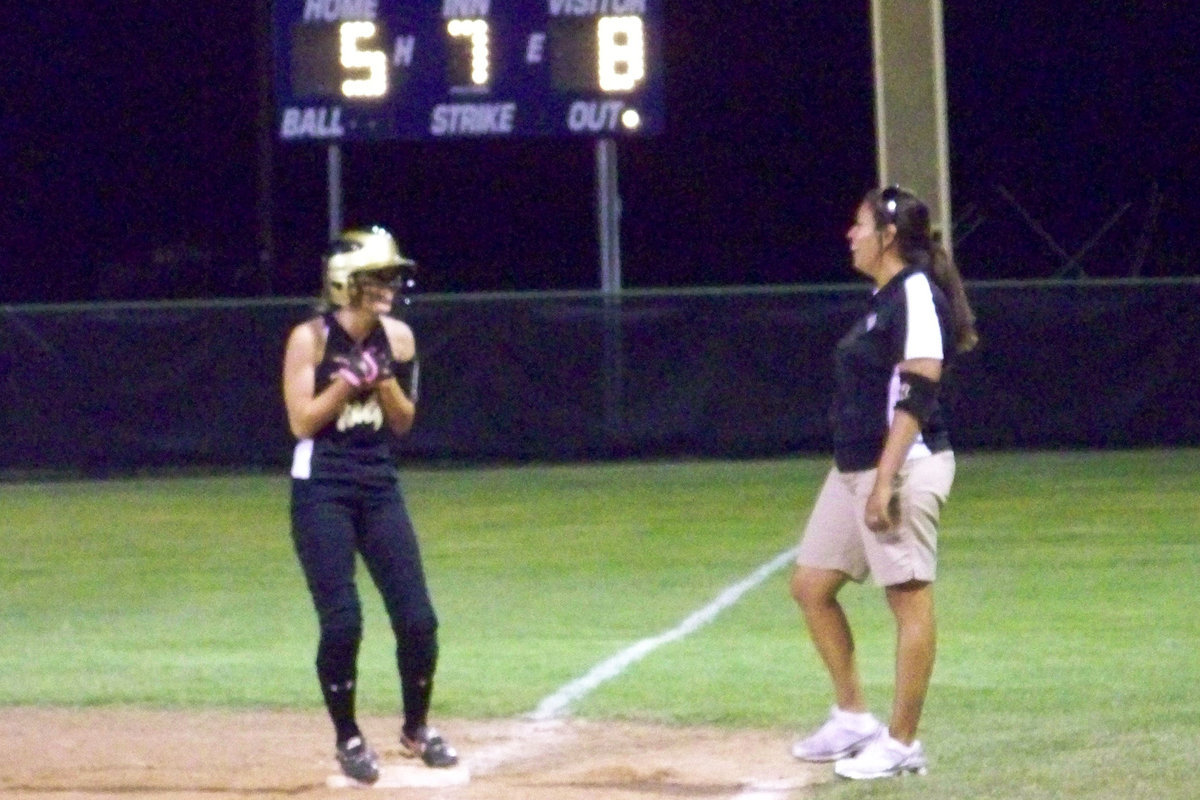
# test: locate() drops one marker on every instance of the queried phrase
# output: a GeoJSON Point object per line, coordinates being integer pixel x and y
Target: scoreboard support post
{"type": "Point", "coordinates": [608, 215]}
{"type": "Point", "coordinates": [608, 223]}
{"type": "Point", "coordinates": [334, 180]}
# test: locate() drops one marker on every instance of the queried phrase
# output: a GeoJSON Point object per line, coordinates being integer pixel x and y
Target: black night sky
{"type": "Point", "coordinates": [130, 142]}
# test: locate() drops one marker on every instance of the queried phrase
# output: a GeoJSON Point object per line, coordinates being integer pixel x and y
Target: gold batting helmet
{"type": "Point", "coordinates": [357, 251]}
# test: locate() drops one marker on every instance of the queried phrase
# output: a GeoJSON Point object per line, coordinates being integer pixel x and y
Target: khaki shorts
{"type": "Point", "coordinates": [837, 537]}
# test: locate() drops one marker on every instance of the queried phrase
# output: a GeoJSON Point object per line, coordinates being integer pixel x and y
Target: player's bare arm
{"type": "Point", "coordinates": [399, 410]}
{"type": "Point", "coordinates": [308, 413]}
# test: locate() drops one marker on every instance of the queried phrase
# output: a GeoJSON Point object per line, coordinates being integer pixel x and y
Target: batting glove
{"type": "Point", "coordinates": [362, 367]}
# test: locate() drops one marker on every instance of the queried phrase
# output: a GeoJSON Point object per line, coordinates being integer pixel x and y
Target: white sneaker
{"type": "Point", "coordinates": [843, 734]}
{"type": "Point", "coordinates": [883, 758]}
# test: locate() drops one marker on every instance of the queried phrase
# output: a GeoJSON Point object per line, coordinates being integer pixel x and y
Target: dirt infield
{"type": "Point", "coordinates": [86, 754]}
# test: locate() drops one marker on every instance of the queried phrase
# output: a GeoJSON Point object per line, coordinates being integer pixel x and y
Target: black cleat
{"type": "Point", "coordinates": [430, 747]}
{"type": "Point", "coordinates": [358, 760]}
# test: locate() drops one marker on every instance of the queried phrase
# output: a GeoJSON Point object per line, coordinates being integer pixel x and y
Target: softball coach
{"type": "Point", "coordinates": [877, 513]}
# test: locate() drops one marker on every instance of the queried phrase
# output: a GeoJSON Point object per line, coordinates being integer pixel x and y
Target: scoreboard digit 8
{"type": "Point", "coordinates": [433, 69]}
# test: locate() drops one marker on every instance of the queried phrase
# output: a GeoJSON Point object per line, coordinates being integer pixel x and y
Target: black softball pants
{"type": "Point", "coordinates": [331, 522]}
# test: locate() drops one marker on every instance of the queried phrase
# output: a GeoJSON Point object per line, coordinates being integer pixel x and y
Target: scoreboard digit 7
{"type": "Point", "coordinates": [432, 69]}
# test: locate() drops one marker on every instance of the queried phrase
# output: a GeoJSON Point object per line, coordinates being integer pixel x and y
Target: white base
{"type": "Point", "coordinates": [399, 776]}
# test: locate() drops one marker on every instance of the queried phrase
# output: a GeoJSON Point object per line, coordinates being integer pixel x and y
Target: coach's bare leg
{"type": "Point", "coordinates": [916, 643]}
{"type": "Point", "coordinates": [815, 590]}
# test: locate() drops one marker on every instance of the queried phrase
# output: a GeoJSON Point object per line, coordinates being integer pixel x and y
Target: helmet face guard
{"type": "Point", "coordinates": [364, 254]}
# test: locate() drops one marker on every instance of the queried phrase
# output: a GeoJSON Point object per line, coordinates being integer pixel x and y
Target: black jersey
{"type": "Point", "coordinates": [907, 318]}
{"type": "Point", "coordinates": [356, 446]}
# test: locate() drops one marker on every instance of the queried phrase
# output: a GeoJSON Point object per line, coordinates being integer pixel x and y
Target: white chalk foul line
{"type": "Point", "coordinates": [524, 738]}
{"type": "Point", "coordinates": [557, 704]}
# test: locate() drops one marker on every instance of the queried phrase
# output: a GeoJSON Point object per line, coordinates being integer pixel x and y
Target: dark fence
{"type": "Point", "coordinates": [732, 373]}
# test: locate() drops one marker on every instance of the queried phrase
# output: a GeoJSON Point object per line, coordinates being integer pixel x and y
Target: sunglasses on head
{"type": "Point", "coordinates": [889, 200]}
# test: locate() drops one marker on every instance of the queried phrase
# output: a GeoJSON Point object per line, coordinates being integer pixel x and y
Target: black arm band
{"type": "Point", "coordinates": [408, 375]}
{"type": "Point", "coordinates": [918, 396]}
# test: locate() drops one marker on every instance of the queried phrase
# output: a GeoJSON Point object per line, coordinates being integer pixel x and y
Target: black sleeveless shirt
{"type": "Point", "coordinates": [357, 445]}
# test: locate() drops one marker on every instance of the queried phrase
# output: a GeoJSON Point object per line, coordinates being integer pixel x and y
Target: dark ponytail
{"type": "Point", "coordinates": [945, 274]}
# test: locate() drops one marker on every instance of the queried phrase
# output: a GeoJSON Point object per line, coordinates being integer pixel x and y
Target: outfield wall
{"type": "Point", "coordinates": [114, 388]}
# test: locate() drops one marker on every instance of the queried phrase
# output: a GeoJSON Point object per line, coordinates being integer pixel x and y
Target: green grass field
{"type": "Point", "coordinates": [1069, 633]}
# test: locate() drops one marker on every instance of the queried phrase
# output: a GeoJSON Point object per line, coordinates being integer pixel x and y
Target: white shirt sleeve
{"type": "Point", "coordinates": [924, 334]}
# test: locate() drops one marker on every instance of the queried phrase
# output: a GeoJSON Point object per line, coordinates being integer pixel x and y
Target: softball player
{"type": "Point", "coordinates": [877, 513]}
{"type": "Point", "coordinates": [349, 386]}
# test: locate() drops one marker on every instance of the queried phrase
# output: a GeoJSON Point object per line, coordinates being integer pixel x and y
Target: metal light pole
{"type": "Point", "coordinates": [913, 146]}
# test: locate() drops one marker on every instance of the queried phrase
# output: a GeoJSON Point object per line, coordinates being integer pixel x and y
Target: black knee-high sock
{"type": "Point", "coordinates": [416, 655]}
{"type": "Point", "coordinates": [337, 657]}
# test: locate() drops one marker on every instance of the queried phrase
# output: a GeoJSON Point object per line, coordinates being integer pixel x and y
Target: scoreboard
{"type": "Point", "coordinates": [436, 69]}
